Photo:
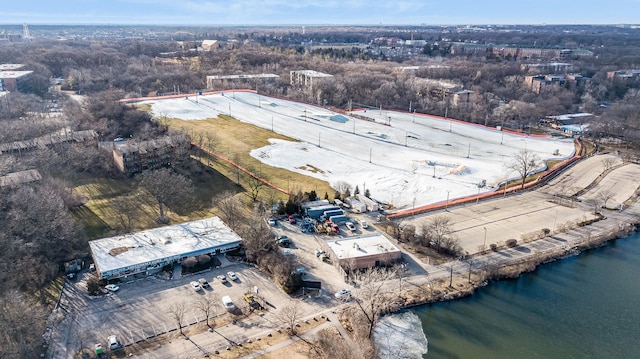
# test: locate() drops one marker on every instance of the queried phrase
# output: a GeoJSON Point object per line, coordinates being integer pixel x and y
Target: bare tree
{"type": "Point", "coordinates": [371, 299]}
{"type": "Point", "coordinates": [524, 163]}
{"type": "Point", "coordinates": [177, 312]}
{"type": "Point", "coordinates": [605, 196]}
{"type": "Point", "coordinates": [230, 209]}
{"type": "Point", "coordinates": [126, 208]}
{"type": "Point", "coordinates": [440, 236]}
{"type": "Point", "coordinates": [255, 184]}
{"type": "Point", "coordinates": [343, 188]}
{"type": "Point", "coordinates": [168, 188]}
{"type": "Point", "coordinates": [290, 315]}
{"type": "Point", "coordinates": [608, 163]}
{"type": "Point", "coordinates": [208, 305]}
{"type": "Point", "coordinates": [21, 326]}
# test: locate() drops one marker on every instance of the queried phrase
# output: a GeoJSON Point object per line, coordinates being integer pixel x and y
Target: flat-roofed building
{"type": "Point", "coordinates": [12, 80]}
{"type": "Point", "coordinates": [10, 67]}
{"type": "Point", "coordinates": [225, 82]}
{"type": "Point", "coordinates": [17, 178]}
{"type": "Point", "coordinates": [131, 156]}
{"type": "Point", "coordinates": [307, 78]}
{"type": "Point", "coordinates": [145, 253]}
{"type": "Point", "coordinates": [362, 252]}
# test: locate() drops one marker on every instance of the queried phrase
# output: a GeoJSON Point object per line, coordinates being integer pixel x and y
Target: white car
{"type": "Point", "coordinates": [111, 287]}
{"type": "Point", "coordinates": [196, 286]}
{"type": "Point", "coordinates": [351, 227]}
{"type": "Point", "coordinates": [343, 294]}
{"type": "Point", "coordinates": [222, 278]}
{"type": "Point", "coordinates": [232, 276]}
{"type": "Point", "coordinates": [364, 224]}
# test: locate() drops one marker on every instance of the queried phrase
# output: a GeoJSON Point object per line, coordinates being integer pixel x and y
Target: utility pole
{"type": "Point", "coordinates": [451, 276]}
{"type": "Point", "coordinates": [446, 206]}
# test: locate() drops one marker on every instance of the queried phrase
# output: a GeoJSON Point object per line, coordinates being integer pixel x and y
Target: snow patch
{"type": "Point", "coordinates": [400, 336]}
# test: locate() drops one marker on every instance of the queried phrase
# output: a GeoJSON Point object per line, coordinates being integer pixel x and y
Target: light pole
{"type": "Point", "coordinates": [484, 243]}
{"type": "Point", "coordinates": [370, 150]}
{"type": "Point", "coordinates": [446, 206]}
{"type": "Point", "coordinates": [414, 206]}
{"type": "Point", "coordinates": [271, 123]}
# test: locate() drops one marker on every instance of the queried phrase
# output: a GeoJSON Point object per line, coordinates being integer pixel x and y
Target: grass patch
{"type": "Point", "coordinates": [235, 140]}
{"type": "Point", "coordinates": [51, 292]}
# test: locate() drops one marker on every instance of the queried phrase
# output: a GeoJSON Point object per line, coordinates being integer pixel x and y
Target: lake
{"type": "Point", "coordinates": [587, 306]}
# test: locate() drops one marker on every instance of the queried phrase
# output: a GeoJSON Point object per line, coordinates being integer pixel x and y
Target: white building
{"type": "Point", "coordinates": [362, 252]}
{"type": "Point", "coordinates": [146, 252]}
{"type": "Point", "coordinates": [307, 78]}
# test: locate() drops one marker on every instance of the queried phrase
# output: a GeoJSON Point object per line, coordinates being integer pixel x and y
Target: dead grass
{"type": "Point", "coordinates": [294, 351]}
{"type": "Point", "coordinates": [235, 141]}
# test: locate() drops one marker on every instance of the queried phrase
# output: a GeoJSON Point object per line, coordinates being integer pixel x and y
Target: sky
{"type": "Point", "coordinates": [319, 12]}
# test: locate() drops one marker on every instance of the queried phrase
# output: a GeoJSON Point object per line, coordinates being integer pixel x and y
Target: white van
{"type": "Point", "coordinates": [114, 344]}
{"type": "Point", "coordinates": [228, 303]}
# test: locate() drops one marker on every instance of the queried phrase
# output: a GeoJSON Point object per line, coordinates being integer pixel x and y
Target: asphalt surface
{"type": "Point", "coordinates": [140, 309]}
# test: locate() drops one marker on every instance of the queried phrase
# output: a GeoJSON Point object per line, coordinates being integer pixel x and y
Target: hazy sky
{"type": "Point", "coordinates": [310, 12]}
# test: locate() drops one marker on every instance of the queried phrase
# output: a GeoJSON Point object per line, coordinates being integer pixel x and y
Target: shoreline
{"type": "Point", "coordinates": [464, 285]}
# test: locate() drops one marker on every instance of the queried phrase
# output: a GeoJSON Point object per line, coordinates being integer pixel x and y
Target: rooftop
{"type": "Point", "coordinates": [160, 243]}
{"type": "Point", "coordinates": [8, 67]}
{"type": "Point", "coordinates": [13, 74]}
{"type": "Point", "coordinates": [312, 73]}
{"type": "Point", "coordinates": [361, 246]}
{"type": "Point", "coordinates": [234, 77]}
{"type": "Point", "coordinates": [16, 178]}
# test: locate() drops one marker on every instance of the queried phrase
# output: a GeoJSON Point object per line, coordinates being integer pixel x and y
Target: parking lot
{"type": "Point", "coordinates": [141, 309]}
{"type": "Point", "coordinates": [303, 247]}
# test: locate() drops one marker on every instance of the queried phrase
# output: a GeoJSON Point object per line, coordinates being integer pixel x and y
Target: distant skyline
{"type": "Point", "coordinates": [319, 12]}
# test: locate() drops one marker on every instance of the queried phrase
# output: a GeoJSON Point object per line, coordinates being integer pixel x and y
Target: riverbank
{"type": "Point", "coordinates": [481, 271]}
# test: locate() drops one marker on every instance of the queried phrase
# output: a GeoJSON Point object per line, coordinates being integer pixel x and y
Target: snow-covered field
{"type": "Point", "coordinates": [402, 159]}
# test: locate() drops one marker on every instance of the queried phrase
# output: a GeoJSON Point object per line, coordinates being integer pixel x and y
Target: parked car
{"type": "Point", "coordinates": [111, 287]}
{"type": "Point", "coordinates": [228, 303]}
{"type": "Point", "coordinates": [350, 226]}
{"type": "Point", "coordinates": [196, 286]}
{"type": "Point", "coordinates": [292, 219]}
{"type": "Point", "coordinates": [114, 344]}
{"type": "Point", "coordinates": [203, 283]}
{"type": "Point", "coordinates": [232, 276]}
{"type": "Point", "coordinates": [364, 224]}
{"type": "Point", "coordinates": [283, 241]}
{"type": "Point", "coordinates": [222, 278]}
{"type": "Point", "coordinates": [343, 294]}
{"type": "Point", "coordinates": [272, 222]}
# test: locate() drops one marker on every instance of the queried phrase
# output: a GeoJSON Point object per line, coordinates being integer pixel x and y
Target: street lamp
{"type": "Point", "coordinates": [446, 206]}
{"type": "Point", "coordinates": [484, 243]}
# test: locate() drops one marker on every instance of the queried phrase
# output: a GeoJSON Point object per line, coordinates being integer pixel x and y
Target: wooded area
{"type": "Point", "coordinates": [41, 218]}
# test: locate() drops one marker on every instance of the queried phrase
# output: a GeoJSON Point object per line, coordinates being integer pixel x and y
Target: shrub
{"type": "Point", "coordinates": [511, 243]}
{"type": "Point", "coordinates": [493, 247]}
{"type": "Point", "coordinates": [204, 259]}
{"type": "Point", "coordinates": [93, 286]}
{"type": "Point", "coordinates": [189, 262]}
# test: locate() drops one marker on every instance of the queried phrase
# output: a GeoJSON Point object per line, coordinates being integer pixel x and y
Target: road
{"type": "Point", "coordinates": [141, 308]}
